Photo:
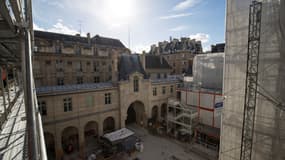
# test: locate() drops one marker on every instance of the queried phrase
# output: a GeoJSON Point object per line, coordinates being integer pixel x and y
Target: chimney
{"type": "Point", "coordinates": [88, 38]}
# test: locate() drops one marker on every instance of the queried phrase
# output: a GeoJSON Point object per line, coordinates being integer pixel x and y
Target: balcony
{"type": "Point", "coordinates": [21, 127]}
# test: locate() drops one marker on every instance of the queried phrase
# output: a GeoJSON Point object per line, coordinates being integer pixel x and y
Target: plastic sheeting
{"type": "Point", "coordinates": [208, 70]}
{"type": "Point", "coordinates": [269, 131]}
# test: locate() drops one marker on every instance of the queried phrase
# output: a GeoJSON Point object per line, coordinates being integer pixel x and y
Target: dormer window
{"type": "Point", "coordinates": [136, 84]}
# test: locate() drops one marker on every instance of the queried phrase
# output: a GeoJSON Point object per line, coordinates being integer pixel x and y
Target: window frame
{"type": "Point", "coordinates": [67, 104]}
{"type": "Point", "coordinates": [79, 80]}
{"type": "Point", "coordinates": [171, 89]}
{"type": "Point", "coordinates": [108, 99]}
{"type": "Point", "coordinates": [136, 84]}
{"type": "Point", "coordinates": [42, 107]}
{"type": "Point", "coordinates": [154, 91]}
{"type": "Point", "coordinates": [60, 81]}
{"type": "Point", "coordinates": [96, 79]}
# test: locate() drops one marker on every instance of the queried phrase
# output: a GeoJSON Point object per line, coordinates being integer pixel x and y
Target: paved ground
{"type": "Point", "coordinates": [158, 148]}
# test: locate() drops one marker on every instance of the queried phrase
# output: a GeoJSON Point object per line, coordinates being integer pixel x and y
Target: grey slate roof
{"type": "Point", "coordinates": [84, 40]}
{"type": "Point", "coordinates": [74, 87]}
{"type": "Point", "coordinates": [107, 41]}
{"type": "Point", "coordinates": [154, 62]}
{"type": "Point", "coordinates": [129, 64]}
{"type": "Point", "coordinates": [165, 80]}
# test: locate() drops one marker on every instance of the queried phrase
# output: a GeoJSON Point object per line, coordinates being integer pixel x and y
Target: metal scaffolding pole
{"type": "Point", "coordinates": [251, 80]}
{"type": "Point", "coordinates": [8, 88]}
{"type": "Point", "coordinates": [30, 106]}
{"type": "Point", "coordinates": [14, 76]}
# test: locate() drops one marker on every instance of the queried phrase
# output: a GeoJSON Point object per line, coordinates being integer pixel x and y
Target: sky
{"type": "Point", "coordinates": [143, 22]}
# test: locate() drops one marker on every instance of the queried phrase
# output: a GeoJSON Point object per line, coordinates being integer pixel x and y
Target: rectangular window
{"type": "Point", "coordinates": [60, 81]}
{"type": "Point", "coordinates": [154, 92]}
{"type": "Point", "coordinates": [107, 98]}
{"type": "Point", "coordinates": [88, 63]}
{"type": "Point", "coordinates": [136, 84]}
{"type": "Point", "coordinates": [59, 65]}
{"type": "Point", "coordinates": [165, 75]}
{"type": "Point", "coordinates": [171, 89]}
{"type": "Point", "coordinates": [95, 66]}
{"type": "Point", "coordinates": [69, 62]}
{"type": "Point", "coordinates": [79, 80]}
{"type": "Point", "coordinates": [42, 108]}
{"type": "Point", "coordinates": [163, 89]}
{"type": "Point", "coordinates": [96, 79]}
{"type": "Point", "coordinates": [67, 104]}
{"type": "Point", "coordinates": [79, 66]}
{"type": "Point", "coordinates": [58, 49]}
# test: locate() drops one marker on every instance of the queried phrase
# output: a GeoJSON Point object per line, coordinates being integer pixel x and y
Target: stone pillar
{"type": "Point", "coordinates": [58, 147]}
{"type": "Point", "coordinates": [123, 119]}
{"type": "Point", "coordinates": [159, 113]}
{"type": "Point", "coordinates": [81, 142]}
{"type": "Point", "coordinates": [100, 128]}
{"type": "Point", "coordinates": [145, 118]}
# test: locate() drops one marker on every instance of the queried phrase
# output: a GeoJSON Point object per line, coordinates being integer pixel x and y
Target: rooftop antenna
{"type": "Point", "coordinates": [80, 26]}
{"type": "Point", "coordinates": [129, 36]}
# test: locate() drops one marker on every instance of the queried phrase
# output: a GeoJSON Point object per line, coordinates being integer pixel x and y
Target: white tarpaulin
{"type": "Point", "coordinates": [118, 134]}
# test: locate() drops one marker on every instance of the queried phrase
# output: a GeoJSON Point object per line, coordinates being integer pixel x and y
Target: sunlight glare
{"type": "Point", "coordinates": [119, 11]}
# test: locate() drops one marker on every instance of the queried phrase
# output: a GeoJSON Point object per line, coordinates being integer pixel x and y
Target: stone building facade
{"type": "Point", "coordinates": [178, 53]}
{"type": "Point", "coordinates": [75, 59]}
{"type": "Point", "coordinates": [82, 108]}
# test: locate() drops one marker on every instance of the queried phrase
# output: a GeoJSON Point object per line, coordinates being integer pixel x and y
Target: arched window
{"type": "Point", "coordinates": [136, 84]}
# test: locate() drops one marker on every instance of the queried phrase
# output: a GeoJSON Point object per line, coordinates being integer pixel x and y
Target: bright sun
{"type": "Point", "coordinates": [118, 11]}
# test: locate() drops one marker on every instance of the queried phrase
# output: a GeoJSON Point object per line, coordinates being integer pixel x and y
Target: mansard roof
{"type": "Point", "coordinates": [156, 62]}
{"type": "Point", "coordinates": [78, 39]}
{"type": "Point", "coordinates": [107, 41]}
{"type": "Point", "coordinates": [128, 65]}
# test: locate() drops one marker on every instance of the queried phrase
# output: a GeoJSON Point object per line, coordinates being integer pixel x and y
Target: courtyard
{"type": "Point", "coordinates": [160, 148]}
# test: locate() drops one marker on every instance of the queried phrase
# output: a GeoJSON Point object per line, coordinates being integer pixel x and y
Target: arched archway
{"type": "Point", "coordinates": [135, 113]}
{"type": "Point", "coordinates": [69, 139]}
{"type": "Point", "coordinates": [163, 111]}
{"type": "Point", "coordinates": [50, 145]}
{"type": "Point", "coordinates": [154, 113]}
{"type": "Point", "coordinates": [90, 133]}
{"type": "Point", "coordinates": [108, 125]}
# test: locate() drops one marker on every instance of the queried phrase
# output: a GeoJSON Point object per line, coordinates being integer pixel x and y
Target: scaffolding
{"type": "Point", "coordinates": [251, 79]}
{"type": "Point", "coordinates": [21, 135]}
{"type": "Point", "coordinates": [267, 124]}
{"type": "Point", "coordinates": [181, 119]}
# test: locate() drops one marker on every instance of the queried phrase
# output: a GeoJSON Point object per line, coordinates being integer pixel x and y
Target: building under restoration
{"type": "Point", "coordinates": [196, 114]}
{"type": "Point", "coordinates": [257, 131]}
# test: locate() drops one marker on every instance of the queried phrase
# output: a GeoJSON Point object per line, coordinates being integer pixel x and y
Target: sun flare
{"type": "Point", "coordinates": [118, 12]}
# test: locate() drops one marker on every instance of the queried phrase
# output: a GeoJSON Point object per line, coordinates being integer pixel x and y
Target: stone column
{"type": "Point", "coordinates": [100, 128]}
{"type": "Point", "coordinates": [159, 113]}
{"type": "Point", "coordinates": [81, 142]}
{"type": "Point", "coordinates": [123, 119]}
{"type": "Point", "coordinates": [58, 147]}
